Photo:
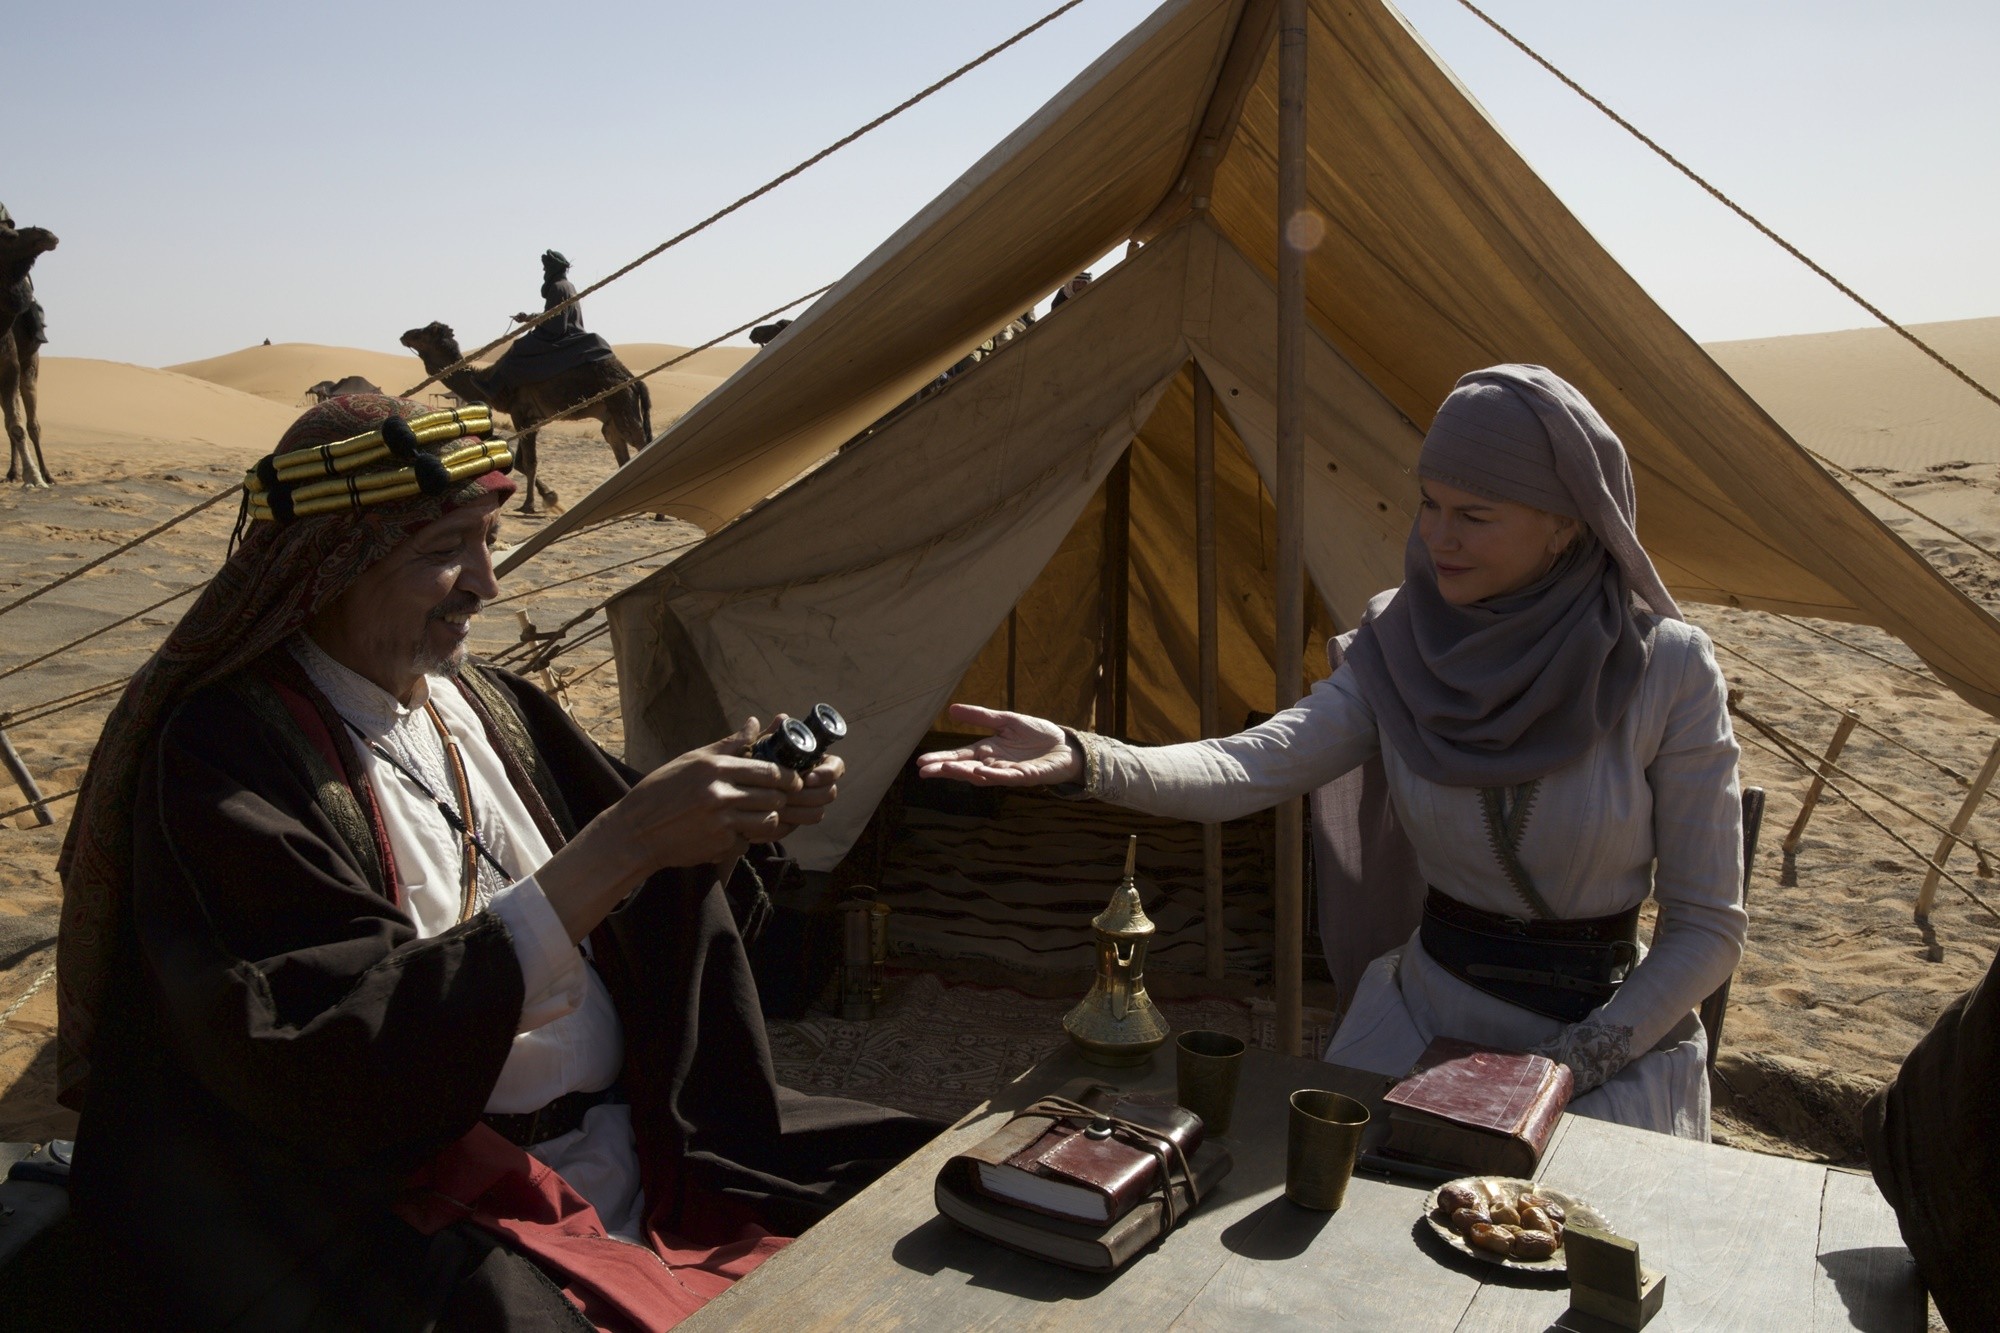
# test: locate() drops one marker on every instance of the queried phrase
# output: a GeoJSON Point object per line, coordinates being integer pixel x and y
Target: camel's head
{"type": "Point", "coordinates": [26, 243]}
{"type": "Point", "coordinates": [433, 339]}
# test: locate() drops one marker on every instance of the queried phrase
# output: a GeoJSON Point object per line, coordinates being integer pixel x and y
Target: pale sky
{"type": "Point", "coordinates": [222, 173]}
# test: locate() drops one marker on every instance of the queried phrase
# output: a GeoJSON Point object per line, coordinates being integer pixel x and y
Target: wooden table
{"type": "Point", "coordinates": [1748, 1241]}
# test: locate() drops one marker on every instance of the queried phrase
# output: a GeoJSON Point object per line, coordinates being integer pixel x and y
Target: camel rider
{"type": "Point", "coordinates": [559, 345]}
{"type": "Point", "coordinates": [31, 329]}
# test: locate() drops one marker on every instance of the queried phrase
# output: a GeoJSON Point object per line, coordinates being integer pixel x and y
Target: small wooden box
{"type": "Point", "coordinates": [1607, 1280]}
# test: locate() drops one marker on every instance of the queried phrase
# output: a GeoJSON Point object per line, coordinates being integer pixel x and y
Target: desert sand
{"type": "Point", "coordinates": [1838, 982]}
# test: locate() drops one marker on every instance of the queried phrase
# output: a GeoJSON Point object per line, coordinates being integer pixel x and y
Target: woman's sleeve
{"type": "Point", "coordinates": [1698, 870]}
{"type": "Point", "coordinates": [1308, 745]}
{"type": "Point", "coordinates": [291, 989]}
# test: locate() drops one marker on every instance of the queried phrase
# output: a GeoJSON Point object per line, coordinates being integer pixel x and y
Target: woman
{"type": "Point", "coordinates": [1556, 743]}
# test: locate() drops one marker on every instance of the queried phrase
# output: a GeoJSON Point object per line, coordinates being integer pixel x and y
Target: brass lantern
{"type": "Point", "coordinates": [1116, 1024]}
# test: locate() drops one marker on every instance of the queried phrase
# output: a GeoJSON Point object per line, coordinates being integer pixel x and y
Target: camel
{"type": "Point", "coordinates": [627, 416]}
{"type": "Point", "coordinates": [326, 389]}
{"type": "Point", "coordinates": [21, 351]}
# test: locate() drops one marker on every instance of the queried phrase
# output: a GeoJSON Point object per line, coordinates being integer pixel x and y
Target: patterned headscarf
{"type": "Point", "coordinates": [271, 586]}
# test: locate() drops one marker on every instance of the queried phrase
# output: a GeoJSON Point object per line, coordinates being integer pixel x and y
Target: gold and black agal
{"type": "Point", "coordinates": [345, 474]}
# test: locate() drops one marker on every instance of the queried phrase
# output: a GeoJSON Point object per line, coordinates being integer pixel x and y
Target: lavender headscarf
{"type": "Point", "coordinates": [1512, 688]}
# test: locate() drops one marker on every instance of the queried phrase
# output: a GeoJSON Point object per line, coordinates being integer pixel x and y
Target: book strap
{"type": "Point", "coordinates": [1162, 1146]}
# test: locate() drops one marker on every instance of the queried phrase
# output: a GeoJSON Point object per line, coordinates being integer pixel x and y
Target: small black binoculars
{"type": "Point", "coordinates": [800, 743]}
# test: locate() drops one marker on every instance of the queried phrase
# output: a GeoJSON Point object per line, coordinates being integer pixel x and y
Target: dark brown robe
{"type": "Point", "coordinates": [283, 1051]}
{"type": "Point", "coordinates": [550, 349]}
{"type": "Point", "coordinates": [1933, 1139]}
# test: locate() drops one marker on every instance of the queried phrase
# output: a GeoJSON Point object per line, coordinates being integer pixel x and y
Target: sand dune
{"type": "Point", "coordinates": [281, 372]}
{"type": "Point", "coordinates": [93, 411]}
{"type": "Point", "coordinates": [1866, 397]}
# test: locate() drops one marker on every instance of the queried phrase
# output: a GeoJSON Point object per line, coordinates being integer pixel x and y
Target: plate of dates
{"type": "Point", "coordinates": [1516, 1224]}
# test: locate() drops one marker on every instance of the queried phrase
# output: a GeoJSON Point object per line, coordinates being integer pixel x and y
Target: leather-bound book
{"type": "Point", "coordinates": [1068, 1168]}
{"type": "Point", "coordinates": [1477, 1110]}
{"type": "Point", "coordinates": [1042, 1185]}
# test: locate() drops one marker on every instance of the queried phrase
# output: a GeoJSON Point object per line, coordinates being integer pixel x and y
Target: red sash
{"type": "Point", "coordinates": [620, 1287]}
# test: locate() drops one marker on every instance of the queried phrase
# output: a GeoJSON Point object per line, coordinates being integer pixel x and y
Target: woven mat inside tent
{"type": "Point", "coordinates": [940, 1050]}
{"type": "Point", "coordinates": [1017, 880]}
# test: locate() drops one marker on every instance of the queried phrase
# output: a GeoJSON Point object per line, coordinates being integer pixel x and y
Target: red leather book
{"type": "Point", "coordinates": [1059, 1167]}
{"type": "Point", "coordinates": [1477, 1109]}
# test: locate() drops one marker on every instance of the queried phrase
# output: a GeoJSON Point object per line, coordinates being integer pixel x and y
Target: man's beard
{"type": "Point", "coordinates": [429, 662]}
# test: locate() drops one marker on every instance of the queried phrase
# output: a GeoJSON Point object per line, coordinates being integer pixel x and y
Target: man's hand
{"type": "Point", "coordinates": [704, 808]}
{"type": "Point", "coordinates": [707, 806]}
{"type": "Point", "coordinates": [1023, 751]}
{"type": "Point", "coordinates": [522, 319]}
{"type": "Point", "coordinates": [808, 804]}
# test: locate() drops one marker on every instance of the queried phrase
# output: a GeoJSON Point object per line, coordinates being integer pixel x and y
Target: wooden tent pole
{"type": "Point", "coordinates": [1964, 816]}
{"type": "Point", "coordinates": [1288, 490]}
{"type": "Point", "coordinates": [1115, 597]}
{"type": "Point", "coordinates": [24, 780]}
{"type": "Point", "coordinates": [1013, 637]}
{"type": "Point", "coordinates": [1208, 639]}
{"type": "Point", "coordinates": [1788, 874]}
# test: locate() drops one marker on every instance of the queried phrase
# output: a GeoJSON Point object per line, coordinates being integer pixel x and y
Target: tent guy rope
{"type": "Point", "coordinates": [1732, 205]}
{"type": "Point", "coordinates": [1901, 503]}
{"type": "Point", "coordinates": [1811, 767]}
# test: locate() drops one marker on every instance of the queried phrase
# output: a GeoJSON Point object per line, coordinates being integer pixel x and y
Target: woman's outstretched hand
{"type": "Point", "coordinates": [1022, 752]}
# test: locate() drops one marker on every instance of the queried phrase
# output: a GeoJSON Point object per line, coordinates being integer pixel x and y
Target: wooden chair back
{"type": "Point", "coordinates": [1716, 1006]}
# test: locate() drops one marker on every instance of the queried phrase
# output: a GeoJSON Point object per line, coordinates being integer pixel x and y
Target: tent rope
{"type": "Point", "coordinates": [1792, 747]}
{"type": "Point", "coordinates": [46, 800]}
{"type": "Point", "coordinates": [1863, 723]}
{"type": "Point", "coordinates": [675, 360]}
{"type": "Point", "coordinates": [19, 667]}
{"type": "Point", "coordinates": [60, 704]}
{"type": "Point", "coordinates": [1924, 676]}
{"type": "Point", "coordinates": [1812, 769]}
{"type": "Point", "coordinates": [757, 193]}
{"type": "Point", "coordinates": [234, 489]}
{"type": "Point", "coordinates": [7, 1014]}
{"type": "Point", "coordinates": [1900, 502]}
{"type": "Point", "coordinates": [1733, 206]}
{"type": "Point", "coordinates": [587, 574]}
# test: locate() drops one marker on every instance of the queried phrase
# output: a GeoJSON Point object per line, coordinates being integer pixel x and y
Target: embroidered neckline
{"type": "Point", "coordinates": [1507, 810]}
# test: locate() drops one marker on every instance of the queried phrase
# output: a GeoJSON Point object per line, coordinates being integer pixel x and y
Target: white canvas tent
{"type": "Point", "coordinates": [881, 576]}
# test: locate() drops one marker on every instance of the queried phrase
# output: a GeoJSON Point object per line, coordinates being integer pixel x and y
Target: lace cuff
{"type": "Point", "coordinates": [1594, 1050]}
{"type": "Point", "coordinates": [1087, 786]}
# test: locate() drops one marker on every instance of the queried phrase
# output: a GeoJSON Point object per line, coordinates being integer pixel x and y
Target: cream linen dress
{"type": "Point", "coordinates": [1653, 807]}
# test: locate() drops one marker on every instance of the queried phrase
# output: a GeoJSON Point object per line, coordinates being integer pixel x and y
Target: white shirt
{"type": "Point", "coordinates": [568, 1038]}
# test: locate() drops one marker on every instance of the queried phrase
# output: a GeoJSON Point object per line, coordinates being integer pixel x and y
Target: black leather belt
{"type": "Point", "coordinates": [558, 1118]}
{"type": "Point", "coordinates": [1559, 969]}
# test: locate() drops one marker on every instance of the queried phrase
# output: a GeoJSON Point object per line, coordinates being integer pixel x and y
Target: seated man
{"type": "Point", "coordinates": [386, 995]}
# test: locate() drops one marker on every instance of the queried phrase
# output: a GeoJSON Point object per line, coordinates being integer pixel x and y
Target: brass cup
{"type": "Point", "coordinates": [1320, 1148]}
{"type": "Point", "coordinates": [1206, 1067]}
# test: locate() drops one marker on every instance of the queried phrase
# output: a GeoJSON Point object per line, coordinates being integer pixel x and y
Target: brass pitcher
{"type": "Point", "coordinates": [1116, 1024]}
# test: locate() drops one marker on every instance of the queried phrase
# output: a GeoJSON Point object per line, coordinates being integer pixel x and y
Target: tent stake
{"type": "Point", "coordinates": [24, 780]}
{"type": "Point", "coordinates": [1288, 489]}
{"type": "Point", "coordinates": [1207, 652]}
{"type": "Point", "coordinates": [1788, 876]}
{"type": "Point", "coordinates": [1958, 823]}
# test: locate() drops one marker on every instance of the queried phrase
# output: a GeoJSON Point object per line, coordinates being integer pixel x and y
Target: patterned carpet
{"type": "Point", "coordinates": [940, 1050]}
